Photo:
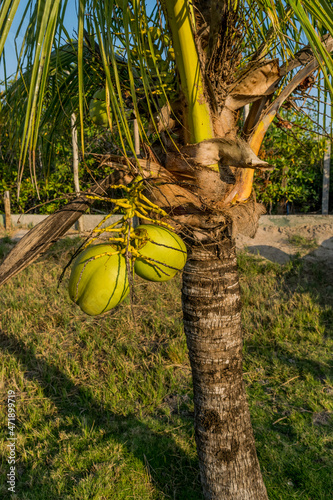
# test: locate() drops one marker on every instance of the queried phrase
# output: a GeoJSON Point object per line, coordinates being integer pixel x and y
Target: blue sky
{"type": "Point", "coordinates": [70, 24]}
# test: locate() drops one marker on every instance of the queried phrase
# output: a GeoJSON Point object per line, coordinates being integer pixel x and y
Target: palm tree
{"type": "Point", "coordinates": [189, 68]}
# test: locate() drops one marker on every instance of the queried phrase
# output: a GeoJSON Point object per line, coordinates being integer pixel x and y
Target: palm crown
{"type": "Point", "coordinates": [132, 53]}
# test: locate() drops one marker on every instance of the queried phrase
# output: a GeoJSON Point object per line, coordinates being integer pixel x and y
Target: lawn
{"type": "Point", "coordinates": [104, 405]}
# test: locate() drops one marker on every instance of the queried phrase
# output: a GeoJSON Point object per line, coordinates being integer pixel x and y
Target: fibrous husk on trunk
{"type": "Point", "coordinates": [228, 152]}
{"type": "Point", "coordinates": [257, 80]}
{"type": "Point", "coordinates": [245, 217]}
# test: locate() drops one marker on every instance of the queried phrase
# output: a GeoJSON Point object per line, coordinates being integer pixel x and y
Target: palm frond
{"type": "Point", "coordinates": [116, 48]}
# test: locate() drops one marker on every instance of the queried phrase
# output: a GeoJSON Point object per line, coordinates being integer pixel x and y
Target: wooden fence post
{"type": "Point", "coordinates": [326, 179]}
{"type": "Point", "coordinates": [8, 219]}
{"type": "Point", "coordinates": [246, 111]}
{"type": "Point", "coordinates": [75, 146]}
{"type": "Point", "coordinates": [136, 137]}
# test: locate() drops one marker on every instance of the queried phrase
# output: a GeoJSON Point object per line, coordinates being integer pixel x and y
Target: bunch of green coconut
{"type": "Point", "coordinates": [99, 279]}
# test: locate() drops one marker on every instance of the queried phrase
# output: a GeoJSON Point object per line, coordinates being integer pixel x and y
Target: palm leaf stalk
{"type": "Point", "coordinates": [228, 54]}
{"type": "Point", "coordinates": [188, 64]}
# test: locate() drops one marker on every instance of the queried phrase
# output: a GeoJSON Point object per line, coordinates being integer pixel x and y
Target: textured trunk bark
{"type": "Point", "coordinates": [228, 461]}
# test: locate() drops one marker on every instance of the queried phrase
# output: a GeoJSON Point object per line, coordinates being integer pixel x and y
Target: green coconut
{"type": "Point", "coordinates": [100, 284]}
{"type": "Point", "coordinates": [97, 109]}
{"type": "Point", "coordinates": [162, 245]}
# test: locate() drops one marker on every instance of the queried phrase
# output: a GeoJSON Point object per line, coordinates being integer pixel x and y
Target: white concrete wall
{"type": "Point", "coordinates": [30, 220]}
{"type": "Point", "coordinates": [91, 221]}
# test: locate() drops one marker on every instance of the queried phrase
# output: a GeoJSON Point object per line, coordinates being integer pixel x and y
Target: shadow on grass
{"type": "Point", "coordinates": [322, 254]}
{"type": "Point", "coordinates": [173, 473]}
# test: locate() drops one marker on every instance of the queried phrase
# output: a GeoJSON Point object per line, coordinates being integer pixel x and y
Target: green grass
{"type": "Point", "coordinates": [302, 242]}
{"type": "Point", "coordinates": [105, 404]}
{"type": "Point", "coordinates": [6, 244]}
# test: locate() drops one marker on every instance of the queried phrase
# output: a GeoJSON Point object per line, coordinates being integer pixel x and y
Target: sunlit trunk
{"type": "Point", "coordinates": [211, 306]}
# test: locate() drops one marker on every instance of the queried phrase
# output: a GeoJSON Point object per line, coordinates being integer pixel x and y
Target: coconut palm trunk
{"type": "Point", "coordinates": [229, 466]}
{"type": "Point", "coordinates": [211, 301]}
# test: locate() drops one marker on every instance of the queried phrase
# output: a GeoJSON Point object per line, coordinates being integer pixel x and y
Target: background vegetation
{"type": "Point", "coordinates": [296, 150]}
{"type": "Point", "coordinates": [54, 171]}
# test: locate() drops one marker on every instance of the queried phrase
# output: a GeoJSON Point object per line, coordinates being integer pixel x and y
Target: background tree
{"type": "Point", "coordinates": [295, 148]}
{"type": "Point", "coordinates": [200, 170]}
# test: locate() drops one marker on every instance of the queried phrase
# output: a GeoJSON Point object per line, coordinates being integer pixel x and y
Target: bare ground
{"type": "Point", "coordinates": [309, 237]}
{"type": "Point", "coordinates": [278, 238]}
